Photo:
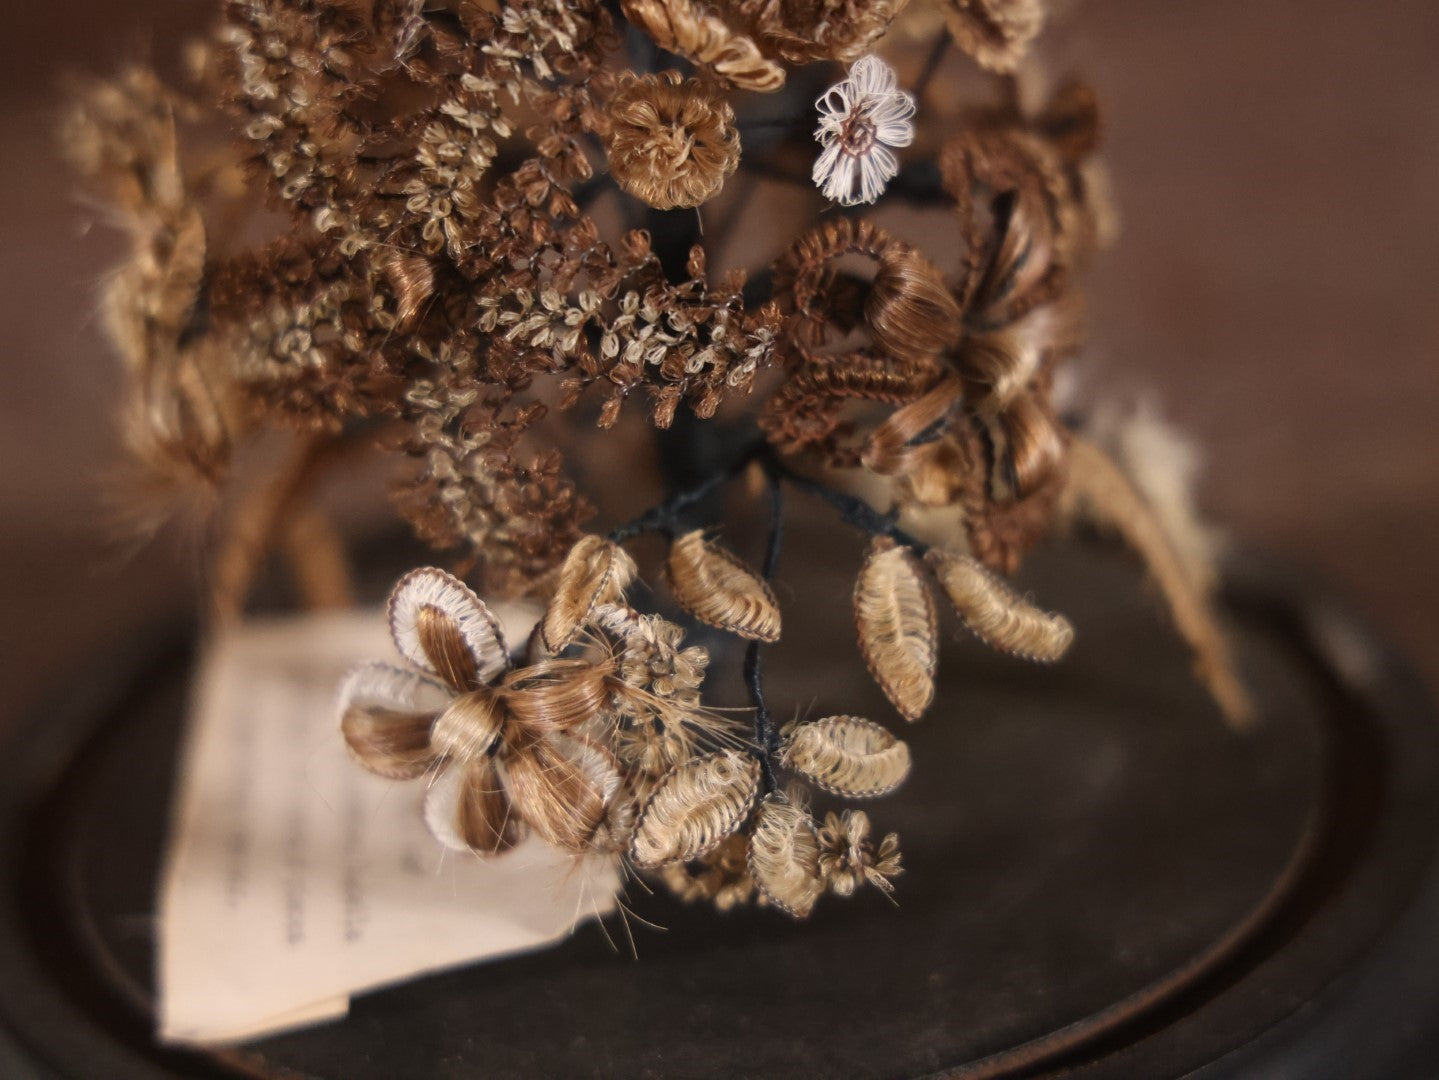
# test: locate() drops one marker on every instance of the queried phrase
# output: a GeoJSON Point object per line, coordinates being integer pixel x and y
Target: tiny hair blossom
{"type": "Point", "coordinates": [862, 119]}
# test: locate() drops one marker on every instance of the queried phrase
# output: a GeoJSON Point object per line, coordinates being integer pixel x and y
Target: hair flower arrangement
{"type": "Point", "coordinates": [445, 233]}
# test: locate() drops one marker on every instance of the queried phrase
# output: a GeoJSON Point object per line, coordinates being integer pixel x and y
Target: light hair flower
{"type": "Point", "coordinates": [861, 118]}
{"type": "Point", "coordinates": [848, 858]}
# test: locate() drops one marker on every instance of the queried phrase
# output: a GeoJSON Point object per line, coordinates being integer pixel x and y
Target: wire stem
{"type": "Point", "coordinates": [932, 64]}
{"type": "Point", "coordinates": [766, 736]}
{"type": "Point", "coordinates": [852, 509]}
{"type": "Point", "coordinates": [665, 517]}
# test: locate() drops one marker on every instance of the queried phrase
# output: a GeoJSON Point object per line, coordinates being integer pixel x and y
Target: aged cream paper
{"type": "Point", "coordinates": [295, 879]}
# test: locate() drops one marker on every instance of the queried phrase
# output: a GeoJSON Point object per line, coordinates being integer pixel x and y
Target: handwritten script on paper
{"type": "Point", "coordinates": [295, 879]}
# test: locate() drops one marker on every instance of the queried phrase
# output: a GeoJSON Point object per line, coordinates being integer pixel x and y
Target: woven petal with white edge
{"type": "Point", "coordinates": [447, 594]}
{"type": "Point", "coordinates": [467, 809]}
{"type": "Point", "coordinates": [860, 119]}
{"type": "Point", "coordinates": [378, 685]}
{"type": "Point", "coordinates": [386, 714]}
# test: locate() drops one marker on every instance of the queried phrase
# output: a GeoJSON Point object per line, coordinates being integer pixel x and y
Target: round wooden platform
{"type": "Point", "coordinates": [1101, 878]}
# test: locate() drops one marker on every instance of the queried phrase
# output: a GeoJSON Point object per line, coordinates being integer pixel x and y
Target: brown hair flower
{"type": "Point", "coordinates": [802, 31]}
{"type": "Point", "coordinates": [672, 140]}
{"type": "Point", "coordinates": [511, 749]}
{"type": "Point", "coordinates": [689, 30]}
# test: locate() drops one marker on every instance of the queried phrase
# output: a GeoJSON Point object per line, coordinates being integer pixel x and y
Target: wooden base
{"type": "Point", "coordinates": [1100, 877]}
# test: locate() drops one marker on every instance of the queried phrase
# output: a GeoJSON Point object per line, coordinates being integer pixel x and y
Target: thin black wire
{"type": "Point", "coordinates": [766, 737]}
{"type": "Point", "coordinates": [931, 65]}
{"type": "Point", "coordinates": [664, 517]}
{"type": "Point", "coordinates": [852, 509]}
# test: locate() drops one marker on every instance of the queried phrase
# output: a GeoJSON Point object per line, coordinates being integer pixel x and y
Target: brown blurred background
{"type": "Point", "coordinates": [1276, 164]}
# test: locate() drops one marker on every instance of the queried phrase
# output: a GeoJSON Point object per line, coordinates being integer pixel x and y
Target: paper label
{"type": "Point", "coordinates": [295, 878]}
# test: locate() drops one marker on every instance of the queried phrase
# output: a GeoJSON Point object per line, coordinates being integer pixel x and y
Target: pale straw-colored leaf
{"type": "Point", "coordinates": [694, 807]}
{"type": "Point", "coordinates": [784, 857]}
{"type": "Point", "coordinates": [596, 571]}
{"type": "Point", "coordinates": [716, 588]}
{"type": "Point", "coordinates": [895, 614]}
{"type": "Point", "coordinates": [995, 614]}
{"type": "Point", "coordinates": [1099, 489]}
{"type": "Point", "coordinates": [848, 756]}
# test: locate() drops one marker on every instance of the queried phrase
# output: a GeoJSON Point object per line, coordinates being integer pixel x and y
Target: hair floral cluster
{"type": "Point", "coordinates": [468, 232]}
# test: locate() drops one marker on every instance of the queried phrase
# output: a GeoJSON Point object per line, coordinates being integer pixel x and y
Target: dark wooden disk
{"type": "Point", "coordinates": [1100, 877]}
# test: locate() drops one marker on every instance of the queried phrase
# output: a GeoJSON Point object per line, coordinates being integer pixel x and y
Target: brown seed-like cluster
{"type": "Point", "coordinates": [477, 236]}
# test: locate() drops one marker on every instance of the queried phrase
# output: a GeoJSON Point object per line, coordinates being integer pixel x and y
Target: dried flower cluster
{"type": "Point", "coordinates": [439, 229]}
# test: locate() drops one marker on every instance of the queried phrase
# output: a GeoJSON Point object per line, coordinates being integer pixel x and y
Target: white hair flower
{"type": "Point", "coordinates": [861, 118]}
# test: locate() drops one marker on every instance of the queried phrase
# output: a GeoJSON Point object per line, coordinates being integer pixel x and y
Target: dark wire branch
{"type": "Point", "coordinates": [932, 64]}
{"type": "Point", "coordinates": [766, 736]}
{"type": "Point", "coordinates": [666, 518]}
{"type": "Point", "coordinates": [852, 509]}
